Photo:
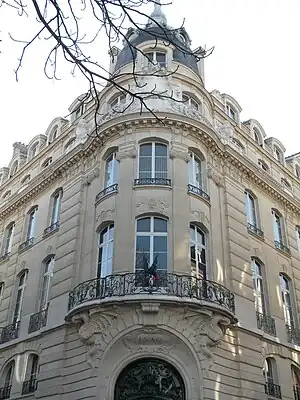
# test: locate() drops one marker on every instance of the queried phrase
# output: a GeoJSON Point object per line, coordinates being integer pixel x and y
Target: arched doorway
{"type": "Point", "coordinates": [149, 379]}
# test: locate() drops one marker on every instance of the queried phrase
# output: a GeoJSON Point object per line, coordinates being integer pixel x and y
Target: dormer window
{"type": "Point", "coordinates": [118, 101]}
{"type": "Point", "coordinates": [230, 111]}
{"type": "Point", "coordinates": [47, 162]}
{"type": "Point", "coordinates": [297, 171]}
{"type": "Point", "coordinates": [286, 184]}
{"type": "Point", "coordinates": [238, 144]}
{"type": "Point", "coordinates": [157, 58]}
{"type": "Point", "coordinates": [14, 168]}
{"type": "Point", "coordinates": [33, 151]}
{"type": "Point", "coordinates": [263, 165]}
{"type": "Point", "coordinates": [78, 111]}
{"type": "Point", "coordinates": [191, 102]}
{"type": "Point", "coordinates": [278, 154]}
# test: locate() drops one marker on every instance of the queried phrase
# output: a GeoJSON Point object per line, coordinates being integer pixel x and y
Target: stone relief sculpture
{"type": "Point", "coordinates": [82, 131]}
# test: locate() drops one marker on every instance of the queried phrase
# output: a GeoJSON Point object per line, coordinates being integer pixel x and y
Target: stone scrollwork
{"type": "Point", "coordinates": [152, 205]}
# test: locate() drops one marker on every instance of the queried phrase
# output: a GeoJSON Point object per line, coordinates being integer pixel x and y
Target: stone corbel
{"type": "Point", "coordinates": [183, 155]}
{"type": "Point", "coordinates": [87, 180]}
{"type": "Point", "coordinates": [128, 152]}
{"type": "Point", "coordinates": [216, 177]}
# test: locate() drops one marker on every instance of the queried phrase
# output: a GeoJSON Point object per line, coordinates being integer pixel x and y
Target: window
{"type": "Point", "coordinates": [152, 243]}
{"type": "Point", "coordinates": [8, 378]}
{"type": "Point", "coordinates": [30, 383]}
{"type": "Point", "coordinates": [31, 224]}
{"type": "Point", "coordinates": [157, 58]}
{"type": "Point", "coordinates": [278, 154]}
{"type": "Point", "coordinates": [251, 205]}
{"type": "Point", "coordinates": [263, 165]}
{"type": "Point", "coordinates": [70, 143]}
{"type": "Point", "coordinates": [14, 168]}
{"type": "Point", "coordinates": [230, 111]}
{"type": "Point", "coordinates": [56, 203]}
{"type": "Point", "coordinates": [33, 151]}
{"type": "Point", "coordinates": [286, 297]}
{"type": "Point", "coordinates": [238, 144]}
{"type": "Point", "coordinates": [6, 194]}
{"type": "Point", "coordinates": [296, 381]}
{"type": "Point", "coordinates": [111, 171]}
{"type": "Point", "coordinates": [297, 171]}
{"type": "Point", "coordinates": [118, 101]}
{"type": "Point", "coordinates": [198, 252]}
{"type": "Point", "coordinates": [190, 101]}
{"type": "Point", "coordinates": [195, 171]}
{"type": "Point", "coordinates": [269, 370]}
{"type": "Point", "coordinates": [153, 160]}
{"type": "Point", "coordinates": [47, 162]}
{"type": "Point", "coordinates": [25, 180]}
{"type": "Point", "coordinates": [278, 227]}
{"type": "Point", "coordinates": [106, 248]}
{"type": "Point", "coordinates": [54, 134]}
{"type": "Point", "coordinates": [46, 284]}
{"type": "Point", "coordinates": [256, 136]}
{"type": "Point", "coordinates": [258, 289]}
{"type": "Point", "coordinates": [1, 291]}
{"type": "Point", "coordinates": [286, 184]}
{"type": "Point", "coordinates": [20, 297]}
{"type": "Point", "coordinates": [8, 238]}
{"type": "Point", "coordinates": [78, 111]}
{"type": "Point", "coordinates": [298, 237]}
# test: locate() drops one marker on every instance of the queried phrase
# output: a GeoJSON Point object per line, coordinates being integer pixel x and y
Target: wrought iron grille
{"type": "Point", "coordinates": [5, 256]}
{"type": "Point", "coordinates": [271, 389]}
{"type": "Point", "coordinates": [150, 379]}
{"type": "Point", "coordinates": [152, 182]}
{"type": "Point", "coordinates": [198, 191]}
{"type": "Point", "coordinates": [26, 244]}
{"type": "Point", "coordinates": [266, 323]}
{"type": "Point", "coordinates": [293, 334]}
{"type": "Point", "coordinates": [282, 247]}
{"type": "Point", "coordinates": [29, 386]}
{"type": "Point", "coordinates": [51, 228]}
{"type": "Point", "coordinates": [5, 392]}
{"type": "Point", "coordinates": [296, 389]}
{"type": "Point", "coordinates": [254, 229]}
{"type": "Point", "coordinates": [182, 286]}
{"type": "Point", "coordinates": [10, 332]}
{"type": "Point", "coordinates": [38, 320]}
{"type": "Point", "coordinates": [108, 190]}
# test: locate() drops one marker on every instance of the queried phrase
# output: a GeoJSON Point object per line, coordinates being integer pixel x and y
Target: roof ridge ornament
{"type": "Point", "coordinates": [157, 17]}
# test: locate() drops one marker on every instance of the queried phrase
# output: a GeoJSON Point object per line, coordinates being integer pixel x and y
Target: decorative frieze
{"type": "Point", "coordinates": [152, 205]}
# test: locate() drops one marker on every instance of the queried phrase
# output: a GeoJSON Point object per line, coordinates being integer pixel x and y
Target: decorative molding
{"type": "Point", "coordinates": [152, 205]}
{"type": "Point", "coordinates": [200, 217]}
{"type": "Point", "coordinates": [129, 152]}
{"type": "Point", "coordinates": [106, 215]}
{"type": "Point", "coordinates": [215, 177]}
{"type": "Point", "coordinates": [148, 339]}
{"type": "Point", "coordinates": [88, 179]}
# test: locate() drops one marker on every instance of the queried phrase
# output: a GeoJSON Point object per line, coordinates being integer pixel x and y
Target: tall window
{"type": "Point", "coordinates": [32, 367]}
{"type": "Point", "coordinates": [297, 171]}
{"type": "Point", "coordinates": [157, 58]}
{"type": "Point", "coordinates": [31, 224]}
{"type": "Point", "coordinates": [33, 151]}
{"type": "Point", "coordinates": [296, 381]}
{"type": "Point", "coordinates": [111, 171]}
{"type": "Point", "coordinates": [153, 160]}
{"type": "Point", "coordinates": [195, 171]}
{"type": "Point", "coordinates": [258, 287]}
{"type": "Point", "coordinates": [152, 243]}
{"type": "Point", "coordinates": [256, 135]}
{"type": "Point", "coordinates": [269, 371]}
{"type": "Point", "coordinates": [278, 227]}
{"type": "Point", "coordinates": [56, 202]}
{"type": "Point", "coordinates": [14, 168]}
{"type": "Point", "coordinates": [250, 202]}
{"type": "Point", "coordinates": [8, 237]}
{"type": "Point", "coordinates": [20, 296]}
{"type": "Point", "coordinates": [8, 377]}
{"type": "Point", "coordinates": [286, 297]}
{"type": "Point", "coordinates": [106, 248]}
{"type": "Point", "coordinates": [198, 252]}
{"type": "Point", "coordinates": [46, 284]}
{"type": "Point", "coordinates": [278, 154]}
{"type": "Point", "coordinates": [1, 291]}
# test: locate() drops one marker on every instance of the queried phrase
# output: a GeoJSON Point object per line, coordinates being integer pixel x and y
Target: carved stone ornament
{"type": "Point", "coordinates": [216, 177]}
{"type": "Point", "coordinates": [201, 328]}
{"type": "Point", "coordinates": [128, 152]}
{"type": "Point", "coordinates": [106, 215]}
{"type": "Point", "coordinates": [82, 131]}
{"type": "Point", "coordinates": [200, 217]}
{"type": "Point", "coordinates": [88, 179]}
{"type": "Point", "coordinates": [183, 155]}
{"type": "Point", "coordinates": [152, 205]}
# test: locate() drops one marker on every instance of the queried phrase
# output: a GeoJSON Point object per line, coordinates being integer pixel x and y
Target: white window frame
{"type": "Point", "coordinates": [32, 367]}
{"type": "Point", "coordinates": [199, 247]}
{"type": "Point", "coordinates": [108, 245]}
{"type": "Point", "coordinates": [269, 371]}
{"type": "Point", "coordinates": [47, 162]}
{"type": "Point", "coordinates": [298, 237]}
{"type": "Point", "coordinates": [55, 209]}
{"type": "Point", "coordinates": [154, 60]}
{"type": "Point", "coordinates": [34, 150]}
{"type": "Point", "coordinates": [113, 179]}
{"type": "Point", "coordinates": [9, 234]}
{"type": "Point", "coordinates": [19, 303]}
{"type": "Point", "coordinates": [251, 209]}
{"type": "Point", "coordinates": [231, 112]}
{"type": "Point", "coordinates": [118, 101]}
{"type": "Point", "coordinates": [278, 154]}
{"type": "Point", "coordinates": [46, 283]}
{"type": "Point", "coordinates": [258, 289]}
{"type": "Point", "coordinates": [31, 225]}
{"type": "Point", "coordinates": [151, 234]}
{"type": "Point", "coordinates": [192, 170]}
{"type": "Point", "coordinates": [14, 168]}
{"type": "Point", "coordinates": [153, 170]}
{"type": "Point", "coordinates": [287, 300]}
{"type": "Point", "coordinates": [278, 227]}
{"type": "Point", "coordinates": [191, 102]}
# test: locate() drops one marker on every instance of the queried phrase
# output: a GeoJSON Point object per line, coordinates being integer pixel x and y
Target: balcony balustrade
{"type": "Point", "coordinates": [293, 335]}
{"type": "Point", "coordinates": [296, 389]}
{"type": "Point", "coordinates": [38, 321]}
{"type": "Point", "coordinates": [105, 192]}
{"type": "Point", "coordinates": [254, 229]}
{"type": "Point", "coordinates": [53, 227]}
{"type": "Point", "coordinates": [152, 182]}
{"type": "Point", "coordinates": [29, 386]}
{"type": "Point", "coordinates": [10, 332]}
{"type": "Point", "coordinates": [26, 244]}
{"type": "Point", "coordinates": [198, 191]}
{"type": "Point", "coordinates": [271, 389]}
{"type": "Point", "coordinates": [266, 323]}
{"type": "Point", "coordinates": [282, 247]}
{"type": "Point", "coordinates": [5, 392]}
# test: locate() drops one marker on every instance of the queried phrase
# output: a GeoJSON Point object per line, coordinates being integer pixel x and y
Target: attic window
{"type": "Point", "coordinates": [78, 111]}
{"type": "Point", "coordinates": [263, 165]}
{"type": "Point", "coordinates": [230, 111]}
{"type": "Point", "coordinates": [157, 58]}
{"type": "Point", "coordinates": [238, 143]}
{"type": "Point", "coordinates": [47, 162]}
{"type": "Point", "coordinates": [190, 101]}
{"type": "Point", "coordinates": [278, 154]}
{"type": "Point", "coordinates": [6, 194]}
{"type": "Point", "coordinates": [118, 101]}
{"type": "Point", "coordinates": [297, 171]}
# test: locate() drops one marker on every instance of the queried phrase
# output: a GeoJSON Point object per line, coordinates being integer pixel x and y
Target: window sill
{"type": "Point", "coordinates": [5, 257]}
{"type": "Point", "coordinates": [281, 248]}
{"type": "Point", "coordinates": [199, 193]}
{"type": "Point", "coordinates": [26, 245]}
{"type": "Point", "coordinates": [256, 232]}
{"type": "Point", "coordinates": [105, 193]}
{"type": "Point", "coordinates": [51, 229]}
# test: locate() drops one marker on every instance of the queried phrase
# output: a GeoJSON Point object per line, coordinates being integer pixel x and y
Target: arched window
{"type": "Point", "coordinates": [31, 223]}
{"type": "Point", "coordinates": [270, 374]}
{"type": "Point", "coordinates": [30, 383]}
{"type": "Point", "coordinates": [33, 151]}
{"type": "Point", "coordinates": [258, 287]}
{"type": "Point", "coordinates": [153, 163]}
{"type": "Point", "coordinates": [278, 154]}
{"type": "Point", "coordinates": [14, 168]}
{"type": "Point", "coordinates": [257, 136]}
{"type": "Point", "coordinates": [47, 162]}
{"type": "Point", "coordinates": [111, 170]}
{"type": "Point", "coordinates": [106, 249]}
{"type": "Point", "coordinates": [190, 101]}
{"type": "Point", "coordinates": [55, 206]}
{"type": "Point", "coordinates": [296, 381]}
{"type": "Point", "coordinates": [7, 379]}
{"type": "Point", "coordinates": [198, 252]}
{"type": "Point", "coordinates": [70, 143]}
{"type": "Point", "coordinates": [151, 245]}
{"type": "Point", "coordinates": [264, 166]}
{"type": "Point", "coordinates": [8, 238]}
{"type": "Point", "coordinates": [20, 296]}
{"type": "Point", "coordinates": [195, 171]}
{"type": "Point", "coordinates": [287, 302]}
{"type": "Point", "coordinates": [118, 100]}
{"type": "Point", "coordinates": [157, 58]}
{"type": "Point", "coordinates": [46, 282]}
{"type": "Point", "coordinates": [53, 134]}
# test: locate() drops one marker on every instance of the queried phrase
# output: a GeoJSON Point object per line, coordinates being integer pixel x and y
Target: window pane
{"type": "Point", "coordinates": [162, 261]}
{"type": "Point", "coordinates": [146, 150]}
{"type": "Point", "coordinates": [149, 56]}
{"type": "Point", "coordinates": [104, 235]}
{"type": "Point", "coordinates": [159, 244]}
{"type": "Point", "coordinates": [160, 225]}
{"type": "Point", "coordinates": [200, 237]}
{"type": "Point", "coordinates": [143, 225]}
{"type": "Point", "coordinates": [143, 243]}
{"type": "Point", "coordinates": [161, 150]}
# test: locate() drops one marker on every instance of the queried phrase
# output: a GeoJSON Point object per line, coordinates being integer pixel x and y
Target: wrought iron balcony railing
{"type": "Point", "coordinates": [271, 389]}
{"type": "Point", "coordinates": [266, 323]}
{"type": "Point", "coordinates": [182, 286]}
{"type": "Point", "coordinates": [5, 392]}
{"type": "Point", "coordinates": [29, 386]}
{"type": "Point", "coordinates": [10, 332]}
{"type": "Point", "coordinates": [254, 229]}
{"type": "Point", "coordinates": [26, 244]}
{"type": "Point", "coordinates": [152, 182]}
{"type": "Point", "coordinates": [198, 191]}
{"type": "Point", "coordinates": [38, 320]}
{"type": "Point", "coordinates": [293, 334]}
{"type": "Point", "coordinates": [108, 190]}
{"type": "Point", "coordinates": [5, 256]}
{"type": "Point", "coordinates": [296, 389]}
{"type": "Point", "coordinates": [53, 227]}
{"type": "Point", "coordinates": [282, 247]}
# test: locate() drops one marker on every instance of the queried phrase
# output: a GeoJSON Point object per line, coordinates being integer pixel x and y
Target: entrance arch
{"type": "Point", "coordinates": [149, 379]}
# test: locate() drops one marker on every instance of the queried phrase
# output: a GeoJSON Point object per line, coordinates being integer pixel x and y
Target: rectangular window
{"type": "Point", "coordinates": [298, 237]}
{"type": "Point", "coordinates": [31, 224]}
{"type": "Point", "coordinates": [9, 239]}
{"type": "Point", "coordinates": [46, 284]}
{"type": "Point", "coordinates": [106, 248]}
{"type": "Point", "coordinates": [277, 225]}
{"type": "Point", "coordinates": [258, 290]}
{"type": "Point", "coordinates": [153, 161]}
{"type": "Point", "coordinates": [20, 297]}
{"type": "Point", "coordinates": [111, 173]}
{"type": "Point", "coordinates": [251, 209]}
{"type": "Point", "coordinates": [56, 207]}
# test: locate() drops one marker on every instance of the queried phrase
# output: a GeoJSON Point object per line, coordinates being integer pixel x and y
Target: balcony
{"type": "Point", "coordinates": [105, 192]}
{"type": "Point", "coordinates": [296, 389]}
{"type": "Point", "coordinates": [293, 335]}
{"type": "Point", "coordinates": [198, 192]}
{"type": "Point", "coordinates": [255, 230]}
{"type": "Point", "coordinates": [273, 390]}
{"type": "Point", "coordinates": [5, 392]}
{"type": "Point", "coordinates": [38, 321]}
{"type": "Point", "coordinates": [266, 323]}
{"type": "Point", "coordinates": [280, 246]}
{"type": "Point", "coordinates": [5, 256]}
{"type": "Point", "coordinates": [27, 244]}
{"type": "Point", "coordinates": [152, 182]}
{"type": "Point", "coordinates": [53, 227]}
{"type": "Point", "coordinates": [29, 386]}
{"type": "Point", "coordinates": [10, 332]}
{"type": "Point", "coordinates": [134, 286]}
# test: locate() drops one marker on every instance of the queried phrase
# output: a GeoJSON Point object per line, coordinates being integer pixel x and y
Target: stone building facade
{"type": "Point", "coordinates": [157, 258]}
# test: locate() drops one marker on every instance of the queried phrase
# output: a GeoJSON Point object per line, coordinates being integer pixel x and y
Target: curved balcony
{"type": "Point", "coordinates": [140, 287]}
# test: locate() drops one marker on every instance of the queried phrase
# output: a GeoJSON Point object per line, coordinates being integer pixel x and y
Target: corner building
{"type": "Point", "coordinates": [208, 200]}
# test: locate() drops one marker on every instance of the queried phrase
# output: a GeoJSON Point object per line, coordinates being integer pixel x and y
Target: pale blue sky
{"type": "Point", "coordinates": [255, 60]}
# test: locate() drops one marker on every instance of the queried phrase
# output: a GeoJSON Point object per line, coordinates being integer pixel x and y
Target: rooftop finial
{"type": "Point", "coordinates": [157, 15]}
